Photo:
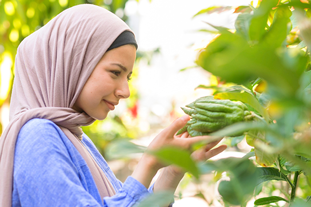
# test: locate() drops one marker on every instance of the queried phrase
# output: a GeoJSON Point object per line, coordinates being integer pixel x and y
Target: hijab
{"type": "Point", "coordinates": [51, 67]}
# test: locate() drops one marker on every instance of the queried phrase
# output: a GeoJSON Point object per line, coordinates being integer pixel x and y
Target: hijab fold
{"type": "Point", "coordinates": [51, 66]}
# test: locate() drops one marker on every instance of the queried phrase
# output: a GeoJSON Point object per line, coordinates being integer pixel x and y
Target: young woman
{"type": "Point", "coordinates": [69, 73]}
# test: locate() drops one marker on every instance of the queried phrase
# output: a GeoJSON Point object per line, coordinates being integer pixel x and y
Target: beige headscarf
{"type": "Point", "coordinates": [52, 66]}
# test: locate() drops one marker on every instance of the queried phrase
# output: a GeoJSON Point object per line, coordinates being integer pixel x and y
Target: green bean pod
{"type": "Point", "coordinates": [188, 111]}
{"type": "Point", "coordinates": [201, 117]}
{"type": "Point", "coordinates": [214, 115]}
{"type": "Point", "coordinates": [182, 130]}
{"type": "Point", "coordinates": [194, 133]}
{"type": "Point", "coordinates": [226, 102]}
{"type": "Point", "coordinates": [235, 117]}
{"type": "Point", "coordinates": [214, 107]}
{"type": "Point", "coordinates": [203, 99]}
{"type": "Point", "coordinates": [201, 126]}
{"type": "Point", "coordinates": [191, 121]}
{"type": "Point", "coordinates": [209, 115]}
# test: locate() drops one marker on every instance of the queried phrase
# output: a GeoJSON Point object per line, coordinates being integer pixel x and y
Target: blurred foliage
{"type": "Point", "coordinates": [265, 63]}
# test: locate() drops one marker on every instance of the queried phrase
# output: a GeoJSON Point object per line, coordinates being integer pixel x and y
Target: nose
{"type": "Point", "coordinates": [123, 91]}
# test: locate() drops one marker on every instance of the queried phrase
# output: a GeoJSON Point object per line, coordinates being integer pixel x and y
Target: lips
{"type": "Point", "coordinates": [110, 105]}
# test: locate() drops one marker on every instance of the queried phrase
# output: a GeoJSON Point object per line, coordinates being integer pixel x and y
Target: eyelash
{"type": "Point", "coordinates": [117, 73]}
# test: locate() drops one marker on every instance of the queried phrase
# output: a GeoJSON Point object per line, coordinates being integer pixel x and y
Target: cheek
{"type": "Point", "coordinates": [97, 90]}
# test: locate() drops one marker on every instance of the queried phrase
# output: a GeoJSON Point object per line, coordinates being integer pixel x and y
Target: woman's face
{"type": "Point", "coordinates": [108, 83]}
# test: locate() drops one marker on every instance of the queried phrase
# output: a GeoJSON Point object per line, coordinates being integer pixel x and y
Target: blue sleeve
{"type": "Point", "coordinates": [49, 171]}
{"type": "Point", "coordinates": [129, 192]}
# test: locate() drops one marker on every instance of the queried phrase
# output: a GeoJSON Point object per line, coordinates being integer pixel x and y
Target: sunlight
{"type": "Point", "coordinates": [5, 76]}
{"type": "Point", "coordinates": [4, 112]}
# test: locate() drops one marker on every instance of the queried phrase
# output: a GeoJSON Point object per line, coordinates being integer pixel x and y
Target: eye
{"type": "Point", "coordinates": [116, 72]}
{"type": "Point", "coordinates": [129, 78]}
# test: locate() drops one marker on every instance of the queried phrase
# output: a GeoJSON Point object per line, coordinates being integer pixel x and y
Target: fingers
{"type": "Point", "coordinates": [203, 154]}
{"type": "Point", "coordinates": [205, 139]}
{"type": "Point", "coordinates": [176, 125]}
{"type": "Point", "coordinates": [211, 145]}
{"type": "Point", "coordinates": [211, 153]}
{"type": "Point", "coordinates": [183, 135]}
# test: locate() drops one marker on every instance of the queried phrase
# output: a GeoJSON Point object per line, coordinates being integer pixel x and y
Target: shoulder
{"type": "Point", "coordinates": [37, 129]}
{"type": "Point", "coordinates": [39, 134]}
{"type": "Point", "coordinates": [37, 125]}
{"type": "Point", "coordinates": [41, 145]}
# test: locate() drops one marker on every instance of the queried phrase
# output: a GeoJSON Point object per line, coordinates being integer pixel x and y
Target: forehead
{"type": "Point", "coordinates": [123, 57]}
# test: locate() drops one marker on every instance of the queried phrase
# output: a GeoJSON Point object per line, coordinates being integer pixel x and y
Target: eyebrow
{"type": "Point", "coordinates": [121, 66]}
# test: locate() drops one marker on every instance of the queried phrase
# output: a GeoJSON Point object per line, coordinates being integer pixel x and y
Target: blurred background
{"type": "Point", "coordinates": [164, 78]}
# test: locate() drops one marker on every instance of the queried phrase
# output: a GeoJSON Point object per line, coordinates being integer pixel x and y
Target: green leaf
{"type": "Point", "coordinates": [295, 59]}
{"type": "Point", "coordinates": [231, 58]}
{"type": "Point", "coordinates": [298, 202]}
{"type": "Point", "coordinates": [186, 68]}
{"type": "Point", "coordinates": [259, 20]}
{"type": "Point", "coordinates": [268, 200]}
{"type": "Point", "coordinates": [258, 189]}
{"type": "Point", "coordinates": [243, 9]}
{"type": "Point", "coordinates": [235, 140]}
{"type": "Point", "coordinates": [161, 198]}
{"type": "Point", "coordinates": [292, 167]}
{"type": "Point", "coordinates": [235, 88]}
{"type": "Point", "coordinates": [227, 191]}
{"type": "Point", "coordinates": [278, 31]}
{"type": "Point", "coordinates": [249, 154]}
{"type": "Point", "coordinates": [270, 173]}
{"type": "Point", "coordinates": [239, 128]}
{"type": "Point", "coordinates": [212, 9]}
{"type": "Point", "coordinates": [208, 31]}
{"type": "Point", "coordinates": [178, 157]}
{"type": "Point", "coordinates": [220, 165]}
{"type": "Point", "coordinates": [123, 148]}
{"type": "Point", "coordinates": [242, 25]}
{"type": "Point", "coordinates": [243, 178]}
{"type": "Point", "coordinates": [264, 158]}
{"type": "Point", "coordinates": [222, 30]}
{"type": "Point", "coordinates": [304, 26]}
{"type": "Point", "coordinates": [296, 4]}
{"type": "Point", "coordinates": [238, 166]}
{"type": "Point", "coordinates": [222, 51]}
{"type": "Point", "coordinates": [245, 97]}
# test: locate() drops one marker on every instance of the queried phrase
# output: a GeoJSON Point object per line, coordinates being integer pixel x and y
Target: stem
{"type": "Point", "coordinates": [293, 193]}
{"type": "Point", "coordinates": [289, 182]}
{"type": "Point", "coordinates": [258, 117]}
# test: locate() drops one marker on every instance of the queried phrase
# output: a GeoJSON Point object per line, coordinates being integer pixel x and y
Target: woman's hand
{"type": "Point", "coordinates": [168, 137]}
{"type": "Point", "coordinates": [201, 154]}
{"type": "Point", "coordinates": [149, 165]}
{"type": "Point", "coordinates": [171, 175]}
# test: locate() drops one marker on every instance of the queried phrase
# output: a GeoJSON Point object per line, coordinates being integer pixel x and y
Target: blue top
{"type": "Point", "coordinates": [49, 171]}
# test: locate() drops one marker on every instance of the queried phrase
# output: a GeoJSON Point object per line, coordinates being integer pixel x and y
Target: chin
{"type": "Point", "coordinates": [100, 117]}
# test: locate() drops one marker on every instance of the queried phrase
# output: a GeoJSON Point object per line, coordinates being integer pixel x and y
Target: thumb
{"type": "Point", "coordinates": [177, 124]}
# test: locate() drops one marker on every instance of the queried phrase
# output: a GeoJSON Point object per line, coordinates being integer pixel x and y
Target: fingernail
{"type": "Point", "coordinates": [185, 118]}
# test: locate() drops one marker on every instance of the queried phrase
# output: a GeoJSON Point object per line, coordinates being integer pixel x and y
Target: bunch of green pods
{"type": "Point", "coordinates": [209, 115]}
